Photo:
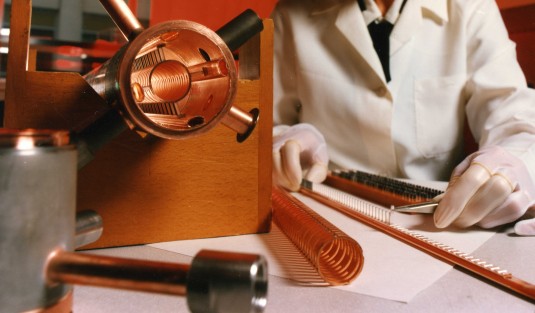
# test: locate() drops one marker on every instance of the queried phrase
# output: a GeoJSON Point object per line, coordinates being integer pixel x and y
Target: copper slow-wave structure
{"type": "Point", "coordinates": [337, 257]}
{"type": "Point", "coordinates": [341, 202]}
{"type": "Point", "coordinates": [385, 191]}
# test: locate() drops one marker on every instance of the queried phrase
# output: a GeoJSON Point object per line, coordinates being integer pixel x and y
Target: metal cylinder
{"type": "Point", "coordinates": [37, 207]}
{"type": "Point", "coordinates": [243, 123]}
{"type": "Point", "coordinates": [221, 282]}
{"type": "Point", "coordinates": [240, 29]}
{"type": "Point", "coordinates": [89, 228]}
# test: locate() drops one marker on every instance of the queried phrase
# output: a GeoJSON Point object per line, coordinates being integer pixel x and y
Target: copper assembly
{"type": "Point", "coordinates": [40, 232]}
{"type": "Point", "coordinates": [176, 79]}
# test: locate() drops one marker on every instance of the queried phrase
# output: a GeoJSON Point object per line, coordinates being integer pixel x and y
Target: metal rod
{"type": "Point", "coordinates": [112, 272]}
{"type": "Point", "coordinates": [123, 17]}
{"type": "Point", "coordinates": [240, 29]}
{"type": "Point", "coordinates": [89, 228]}
{"type": "Point", "coordinates": [105, 127]}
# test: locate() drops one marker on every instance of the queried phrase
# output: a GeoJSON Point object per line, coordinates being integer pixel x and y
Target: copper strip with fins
{"type": "Point", "coordinates": [326, 196]}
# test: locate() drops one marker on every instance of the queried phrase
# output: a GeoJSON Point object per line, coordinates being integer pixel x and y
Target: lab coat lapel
{"type": "Point", "coordinates": [410, 20]}
{"type": "Point", "coordinates": [352, 25]}
{"type": "Point", "coordinates": [406, 26]}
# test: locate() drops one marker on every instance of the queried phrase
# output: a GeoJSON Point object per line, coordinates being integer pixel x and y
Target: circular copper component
{"type": "Point", "coordinates": [170, 80]}
{"type": "Point", "coordinates": [188, 77]}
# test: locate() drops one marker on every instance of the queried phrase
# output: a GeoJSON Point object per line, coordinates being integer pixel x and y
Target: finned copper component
{"type": "Point", "coordinates": [169, 80]}
{"type": "Point", "coordinates": [369, 216]}
{"type": "Point", "coordinates": [169, 75]}
{"type": "Point", "coordinates": [176, 79]}
{"type": "Point", "coordinates": [379, 189]}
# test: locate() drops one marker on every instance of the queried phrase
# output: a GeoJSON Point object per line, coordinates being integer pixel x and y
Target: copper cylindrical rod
{"type": "Point", "coordinates": [112, 272]}
{"type": "Point", "coordinates": [240, 121]}
{"type": "Point", "coordinates": [123, 17]}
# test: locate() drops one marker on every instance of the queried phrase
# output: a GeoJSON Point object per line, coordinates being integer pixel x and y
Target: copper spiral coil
{"type": "Point", "coordinates": [337, 257]}
{"type": "Point", "coordinates": [170, 80]}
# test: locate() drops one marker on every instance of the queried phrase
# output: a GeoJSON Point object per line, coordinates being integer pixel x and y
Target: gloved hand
{"type": "Point", "coordinates": [489, 188]}
{"type": "Point", "coordinates": [298, 150]}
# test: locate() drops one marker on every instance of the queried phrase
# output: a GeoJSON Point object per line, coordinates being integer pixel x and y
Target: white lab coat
{"type": "Point", "coordinates": [450, 60]}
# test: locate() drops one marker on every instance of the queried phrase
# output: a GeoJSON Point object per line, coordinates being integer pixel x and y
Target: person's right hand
{"type": "Point", "coordinates": [490, 187]}
{"type": "Point", "coordinates": [298, 151]}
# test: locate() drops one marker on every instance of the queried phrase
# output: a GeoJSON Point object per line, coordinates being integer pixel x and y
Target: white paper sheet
{"type": "Point", "coordinates": [392, 269]}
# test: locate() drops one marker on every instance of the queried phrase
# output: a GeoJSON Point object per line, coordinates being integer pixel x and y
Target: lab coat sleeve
{"type": "Point", "coordinates": [500, 108]}
{"type": "Point", "coordinates": [285, 100]}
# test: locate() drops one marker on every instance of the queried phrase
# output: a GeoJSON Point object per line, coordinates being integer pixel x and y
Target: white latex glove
{"type": "Point", "coordinates": [489, 188]}
{"type": "Point", "coordinates": [298, 150]}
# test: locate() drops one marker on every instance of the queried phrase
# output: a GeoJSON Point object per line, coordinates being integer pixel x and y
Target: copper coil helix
{"type": "Point", "coordinates": [337, 257]}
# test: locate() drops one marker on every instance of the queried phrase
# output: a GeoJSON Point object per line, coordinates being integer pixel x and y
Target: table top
{"type": "Point", "coordinates": [457, 291]}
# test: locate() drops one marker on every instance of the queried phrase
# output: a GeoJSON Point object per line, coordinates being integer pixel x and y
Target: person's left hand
{"type": "Point", "coordinates": [298, 151]}
{"type": "Point", "coordinates": [490, 187]}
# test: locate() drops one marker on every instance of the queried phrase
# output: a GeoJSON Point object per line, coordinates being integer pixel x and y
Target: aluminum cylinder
{"type": "Point", "coordinates": [37, 215]}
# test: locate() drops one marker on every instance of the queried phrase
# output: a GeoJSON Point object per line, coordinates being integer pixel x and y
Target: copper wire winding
{"type": "Point", "coordinates": [337, 257]}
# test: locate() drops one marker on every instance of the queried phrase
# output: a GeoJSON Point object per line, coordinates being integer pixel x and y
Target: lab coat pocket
{"type": "Point", "coordinates": [439, 111]}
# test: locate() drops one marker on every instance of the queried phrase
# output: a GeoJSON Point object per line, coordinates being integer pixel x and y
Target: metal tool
{"type": "Point", "coordinates": [423, 207]}
{"type": "Point", "coordinates": [38, 264]}
{"type": "Point", "coordinates": [426, 207]}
